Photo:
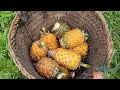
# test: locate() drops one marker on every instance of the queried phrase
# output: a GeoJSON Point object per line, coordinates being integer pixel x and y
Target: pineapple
{"type": "Point", "coordinates": [50, 69]}
{"type": "Point", "coordinates": [38, 50]}
{"type": "Point", "coordinates": [60, 28]}
{"type": "Point", "coordinates": [66, 58]}
{"type": "Point", "coordinates": [72, 38]}
{"type": "Point", "coordinates": [49, 39]}
{"type": "Point", "coordinates": [69, 74]}
{"type": "Point", "coordinates": [81, 49]}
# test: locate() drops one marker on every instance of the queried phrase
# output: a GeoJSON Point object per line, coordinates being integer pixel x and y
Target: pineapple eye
{"type": "Point", "coordinates": [58, 55]}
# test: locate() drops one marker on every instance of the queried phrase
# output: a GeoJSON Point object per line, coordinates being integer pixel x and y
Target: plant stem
{"type": "Point", "coordinates": [84, 65]}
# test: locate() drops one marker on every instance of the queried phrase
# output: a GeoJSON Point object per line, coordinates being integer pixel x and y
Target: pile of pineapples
{"type": "Point", "coordinates": [59, 51]}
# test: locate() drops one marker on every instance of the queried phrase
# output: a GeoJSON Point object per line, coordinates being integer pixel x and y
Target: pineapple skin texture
{"type": "Point", "coordinates": [81, 49]}
{"type": "Point", "coordinates": [66, 58]}
{"type": "Point", "coordinates": [50, 40]}
{"type": "Point", "coordinates": [47, 67]}
{"type": "Point", "coordinates": [72, 38]}
{"type": "Point", "coordinates": [36, 52]}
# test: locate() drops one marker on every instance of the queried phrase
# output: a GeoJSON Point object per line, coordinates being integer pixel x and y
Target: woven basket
{"type": "Point", "coordinates": [26, 26]}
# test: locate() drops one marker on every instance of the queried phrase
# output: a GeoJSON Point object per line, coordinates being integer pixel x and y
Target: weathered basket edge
{"type": "Point", "coordinates": [28, 75]}
{"type": "Point", "coordinates": [109, 38]}
{"type": "Point", "coordinates": [15, 60]}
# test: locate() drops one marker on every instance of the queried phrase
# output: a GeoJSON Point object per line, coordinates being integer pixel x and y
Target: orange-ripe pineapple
{"type": "Point", "coordinates": [72, 38]}
{"type": "Point", "coordinates": [50, 69]}
{"type": "Point", "coordinates": [66, 58]}
{"type": "Point", "coordinates": [38, 50]}
{"type": "Point", "coordinates": [49, 39]}
{"type": "Point", "coordinates": [81, 49]}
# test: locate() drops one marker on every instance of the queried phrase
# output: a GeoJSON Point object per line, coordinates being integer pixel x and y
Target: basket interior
{"type": "Point", "coordinates": [85, 20]}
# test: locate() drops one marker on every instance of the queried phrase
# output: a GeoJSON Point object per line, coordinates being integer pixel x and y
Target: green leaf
{"type": "Point", "coordinates": [2, 24]}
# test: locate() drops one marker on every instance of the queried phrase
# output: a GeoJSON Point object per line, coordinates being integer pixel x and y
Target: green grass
{"type": "Point", "coordinates": [113, 20]}
{"type": "Point", "coordinates": [7, 68]}
{"type": "Point", "coordinates": [9, 71]}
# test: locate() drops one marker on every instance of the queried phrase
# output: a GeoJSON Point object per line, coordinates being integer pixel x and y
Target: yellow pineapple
{"type": "Point", "coordinates": [66, 58]}
{"type": "Point", "coordinates": [72, 38]}
{"type": "Point", "coordinates": [50, 69]}
{"type": "Point", "coordinates": [38, 50]}
{"type": "Point", "coordinates": [49, 39]}
{"type": "Point", "coordinates": [81, 49]}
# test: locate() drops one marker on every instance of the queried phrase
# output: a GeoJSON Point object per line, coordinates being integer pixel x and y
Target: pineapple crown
{"type": "Point", "coordinates": [44, 30]}
{"type": "Point", "coordinates": [58, 24]}
{"type": "Point", "coordinates": [42, 44]}
{"type": "Point", "coordinates": [85, 34]}
{"type": "Point", "coordinates": [51, 53]}
{"type": "Point", "coordinates": [62, 43]}
{"type": "Point", "coordinates": [60, 74]}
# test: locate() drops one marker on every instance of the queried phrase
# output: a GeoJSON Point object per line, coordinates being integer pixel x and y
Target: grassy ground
{"type": "Point", "coordinates": [7, 68]}
{"type": "Point", "coordinates": [113, 20]}
{"type": "Point", "coordinates": [9, 71]}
